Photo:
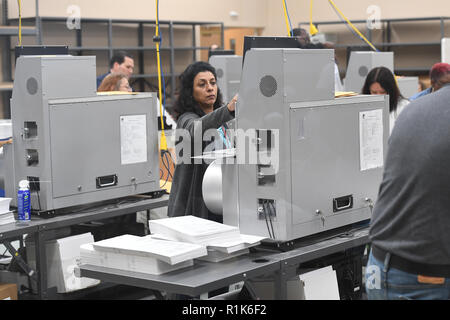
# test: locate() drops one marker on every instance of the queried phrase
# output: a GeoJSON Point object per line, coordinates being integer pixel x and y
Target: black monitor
{"type": "Point", "coordinates": [218, 52]}
{"type": "Point", "coordinates": [269, 42]}
{"type": "Point", "coordinates": [40, 50]}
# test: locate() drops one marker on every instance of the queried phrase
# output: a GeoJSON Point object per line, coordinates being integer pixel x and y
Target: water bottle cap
{"type": "Point", "coordinates": [24, 184]}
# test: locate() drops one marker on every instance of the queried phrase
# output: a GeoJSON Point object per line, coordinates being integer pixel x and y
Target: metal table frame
{"type": "Point", "coordinates": [208, 276]}
{"type": "Point", "coordinates": [44, 229]}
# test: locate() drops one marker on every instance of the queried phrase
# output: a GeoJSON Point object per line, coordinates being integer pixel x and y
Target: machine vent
{"type": "Point", "coordinates": [32, 85]}
{"type": "Point", "coordinates": [363, 71]}
{"type": "Point", "coordinates": [268, 86]}
{"type": "Point", "coordinates": [219, 72]}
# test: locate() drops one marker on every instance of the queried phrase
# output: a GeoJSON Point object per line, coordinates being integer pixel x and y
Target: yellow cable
{"type": "Point", "coordinates": [312, 28]}
{"type": "Point", "coordinates": [351, 25]}
{"type": "Point", "coordinates": [286, 17]}
{"type": "Point", "coordinates": [163, 143]}
{"type": "Point", "coordinates": [20, 22]}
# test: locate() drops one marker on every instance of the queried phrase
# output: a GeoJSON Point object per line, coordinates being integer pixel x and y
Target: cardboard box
{"type": "Point", "coordinates": [8, 291]}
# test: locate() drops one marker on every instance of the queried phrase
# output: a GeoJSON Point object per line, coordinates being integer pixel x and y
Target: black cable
{"type": "Point", "coordinates": [39, 200]}
{"type": "Point", "coordinates": [166, 163]}
{"type": "Point", "coordinates": [265, 216]}
{"type": "Point", "coordinates": [269, 203]}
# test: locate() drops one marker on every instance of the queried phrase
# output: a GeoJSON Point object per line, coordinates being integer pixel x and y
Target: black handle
{"type": "Point", "coordinates": [106, 181]}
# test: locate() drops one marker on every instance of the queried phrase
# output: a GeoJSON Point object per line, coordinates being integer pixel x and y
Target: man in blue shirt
{"type": "Point", "coordinates": [439, 76]}
{"type": "Point", "coordinates": [121, 62]}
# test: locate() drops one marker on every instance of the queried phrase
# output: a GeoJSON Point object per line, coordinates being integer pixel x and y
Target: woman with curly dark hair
{"type": "Point", "coordinates": [198, 108]}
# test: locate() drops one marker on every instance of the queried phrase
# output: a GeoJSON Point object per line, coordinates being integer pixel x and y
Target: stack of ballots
{"type": "Point", "coordinates": [222, 241]}
{"type": "Point", "coordinates": [6, 216]}
{"type": "Point", "coordinates": [141, 254]}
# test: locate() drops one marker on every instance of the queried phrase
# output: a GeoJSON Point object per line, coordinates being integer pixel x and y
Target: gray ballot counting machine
{"type": "Point", "coordinates": [228, 70]}
{"type": "Point", "coordinates": [359, 65]}
{"type": "Point", "coordinates": [325, 155]}
{"type": "Point", "coordinates": [361, 62]}
{"type": "Point", "coordinates": [76, 146]}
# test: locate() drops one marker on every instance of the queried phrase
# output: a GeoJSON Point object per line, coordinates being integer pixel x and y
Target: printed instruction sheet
{"type": "Point", "coordinates": [371, 139]}
{"type": "Point", "coordinates": [133, 139]}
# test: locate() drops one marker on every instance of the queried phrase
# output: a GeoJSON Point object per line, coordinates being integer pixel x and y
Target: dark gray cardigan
{"type": "Point", "coordinates": [186, 192]}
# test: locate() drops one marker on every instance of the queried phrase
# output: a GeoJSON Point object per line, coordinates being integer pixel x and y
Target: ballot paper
{"type": "Point", "coordinates": [244, 242]}
{"type": "Point", "coordinates": [222, 241]}
{"type": "Point", "coordinates": [218, 256]}
{"type": "Point", "coordinates": [171, 252]}
{"type": "Point", "coordinates": [128, 262]}
{"type": "Point", "coordinates": [7, 217]}
{"type": "Point", "coordinates": [4, 205]}
{"type": "Point", "coordinates": [194, 230]}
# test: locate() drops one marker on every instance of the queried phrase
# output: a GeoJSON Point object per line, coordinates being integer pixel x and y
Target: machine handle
{"type": "Point", "coordinates": [106, 181]}
{"type": "Point", "coordinates": [342, 203]}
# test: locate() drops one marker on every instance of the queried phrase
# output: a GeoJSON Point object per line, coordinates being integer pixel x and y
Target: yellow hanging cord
{"type": "Point", "coordinates": [312, 28]}
{"type": "Point", "coordinates": [19, 2]}
{"type": "Point", "coordinates": [287, 19]}
{"type": "Point", "coordinates": [352, 26]}
{"type": "Point", "coordinates": [163, 143]}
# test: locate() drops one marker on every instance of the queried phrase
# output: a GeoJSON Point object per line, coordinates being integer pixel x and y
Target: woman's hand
{"type": "Point", "coordinates": [232, 104]}
{"type": "Point", "coordinates": [2, 143]}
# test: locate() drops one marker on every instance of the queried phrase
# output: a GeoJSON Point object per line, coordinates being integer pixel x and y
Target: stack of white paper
{"type": "Point", "coordinates": [6, 216]}
{"type": "Point", "coordinates": [128, 262]}
{"type": "Point", "coordinates": [222, 241]}
{"type": "Point", "coordinates": [141, 254]}
{"type": "Point", "coordinates": [194, 230]}
{"type": "Point", "coordinates": [218, 256]}
{"type": "Point", "coordinates": [172, 252]}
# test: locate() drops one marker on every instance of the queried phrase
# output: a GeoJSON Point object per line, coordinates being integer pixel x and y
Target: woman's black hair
{"type": "Point", "coordinates": [387, 81]}
{"type": "Point", "coordinates": [185, 101]}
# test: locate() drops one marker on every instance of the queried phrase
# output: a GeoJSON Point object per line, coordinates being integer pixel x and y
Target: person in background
{"type": "Point", "coordinates": [121, 62]}
{"type": "Point", "coordinates": [439, 76]}
{"type": "Point", "coordinates": [304, 42]}
{"type": "Point", "coordinates": [409, 232]}
{"type": "Point", "coordinates": [198, 108]}
{"type": "Point", "coordinates": [115, 82]}
{"type": "Point", "coordinates": [382, 81]}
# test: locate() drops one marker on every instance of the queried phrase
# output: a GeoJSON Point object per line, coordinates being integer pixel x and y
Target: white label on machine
{"type": "Point", "coordinates": [371, 139]}
{"type": "Point", "coordinates": [133, 139]}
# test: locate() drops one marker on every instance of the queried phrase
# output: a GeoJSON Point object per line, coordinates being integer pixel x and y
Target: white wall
{"type": "Point", "coordinates": [252, 13]}
{"type": "Point", "coordinates": [353, 10]}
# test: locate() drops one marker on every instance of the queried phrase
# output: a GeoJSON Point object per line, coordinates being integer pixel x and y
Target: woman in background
{"type": "Point", "coordinates": [198, 108]}
{"type": "Point", "coordinates": [115, 82]}
{"type": "Point", "coordinates": [382, 81]}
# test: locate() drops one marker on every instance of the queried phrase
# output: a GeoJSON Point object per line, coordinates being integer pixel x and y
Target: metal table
{"type": "Point", "coordinates": [101, 212]}
{"type": "Point", "coordinates": [12, 232]}
{"type": "Point", "coordinates": [193, 281]}
{"type": "Point", "coordinates": [44, 229]}
{"type": "Point", "coordinates": [291, 261]}
{"type": "Point", "coordinates": [203, 276]}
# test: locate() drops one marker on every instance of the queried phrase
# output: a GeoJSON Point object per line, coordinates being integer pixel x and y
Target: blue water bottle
{"type": "Point", "coordinates": [23, 201]}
